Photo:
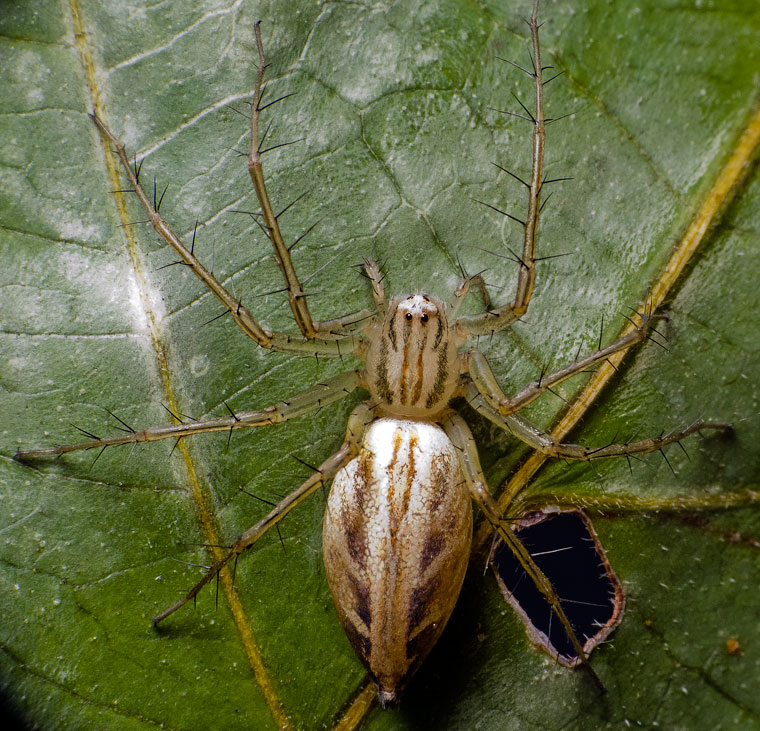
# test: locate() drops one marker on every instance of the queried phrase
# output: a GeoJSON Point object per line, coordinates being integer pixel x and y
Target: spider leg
{"type": "Point", "coordinates": [502, 317]}
{"type": "Point", "coordinates": [360, 417]}
{"type": "Point", "coordinates": [376, 276]}
{"type": "Point", "coordinates": [547, 444]}
{"type": "Point", "coordinates": [463, 289]}
{"type": "Point", "coordinates": [327, 330]}
{"type": "Point", "coordinates": [486, 383]}
{"type": "Point", "coordinates": [330, 341]}
{"type": "Point", "coordinates": [462, 438]}
{"type": "Point", "coordinates": [315, 397]}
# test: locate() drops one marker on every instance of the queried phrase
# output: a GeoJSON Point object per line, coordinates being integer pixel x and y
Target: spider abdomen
{"type": "Point", "coordinates": [396, 541]}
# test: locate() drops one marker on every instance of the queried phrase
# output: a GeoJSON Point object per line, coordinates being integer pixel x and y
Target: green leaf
{"type": "Point", "coordinates": [395, 105]}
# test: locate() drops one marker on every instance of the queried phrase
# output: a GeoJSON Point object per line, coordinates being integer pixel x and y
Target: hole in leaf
{"type": "Point", "coordinates": [565, 547]}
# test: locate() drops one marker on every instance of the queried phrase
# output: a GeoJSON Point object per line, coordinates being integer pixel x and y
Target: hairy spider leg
{"type": "Point", "coordinates": [463, 441]}
{"type": "Point", "coordinates": [502, 317]}
{"type": "Point", "coordinates": [313, 398]}
{"type": "Point", "coordinates": [334, 337]}
{"type": "Point", "coordinates": [489, 388]}
{"type": "Point", "coordinates": [360, 417]}
{"type": "Point", "coordinates": [547, 444]}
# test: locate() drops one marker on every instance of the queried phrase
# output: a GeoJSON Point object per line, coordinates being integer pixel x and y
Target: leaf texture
{"type": "Point", "coordinates": [397, 107]}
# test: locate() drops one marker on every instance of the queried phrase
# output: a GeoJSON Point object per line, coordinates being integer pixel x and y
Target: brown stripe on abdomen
{"type": "Point", "coordinates": [434, 544]}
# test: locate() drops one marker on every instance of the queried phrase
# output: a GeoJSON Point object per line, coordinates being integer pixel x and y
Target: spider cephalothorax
{"type": "Point", "coordinates": [412, 362]}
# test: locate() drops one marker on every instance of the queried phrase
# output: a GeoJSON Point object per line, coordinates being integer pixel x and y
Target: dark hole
{"type": "Point", "coordinates": [565, 550]}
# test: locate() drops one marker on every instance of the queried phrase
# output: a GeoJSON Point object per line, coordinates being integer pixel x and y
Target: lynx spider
{"type": "Point", "coordinates": [411, 385]}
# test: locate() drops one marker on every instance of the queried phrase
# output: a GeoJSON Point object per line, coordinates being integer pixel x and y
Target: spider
{"type": "Point", "coordinates": [398, 523]}
{"type": "Point", "coordinates": [392, 398]}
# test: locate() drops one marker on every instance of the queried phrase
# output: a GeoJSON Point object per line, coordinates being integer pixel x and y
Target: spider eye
{"type": "Point", "coordinates": [408, 315]}
{"type": "Point", "coordinates": [424, 317]}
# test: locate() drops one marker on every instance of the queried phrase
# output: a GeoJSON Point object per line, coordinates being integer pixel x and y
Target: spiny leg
{"type": "Point", "coordinates": [360, 417]}
{"type": "Point", "coordinates": [375, 275]}
{"type": "Point", "coordinates": [502, 317]}
{"type": "Point", "coordinates": [547, 444]}
{"type": "Point", "coordinates": [486, 383]}
{"type": "Point", "coordinates": [462, 438]}
{"type": "Point", "coordinates": [281, 342]}
{"type": "Point", "coordinates": [462, 290]}
{"type": "Point", "coordinates": [315, 397]}
{"type": "Point", "coordinates": [329, 329]}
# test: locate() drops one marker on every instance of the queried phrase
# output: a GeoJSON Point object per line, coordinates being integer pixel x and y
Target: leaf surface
{"type": "Point", "coordinates": [395, 105]}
